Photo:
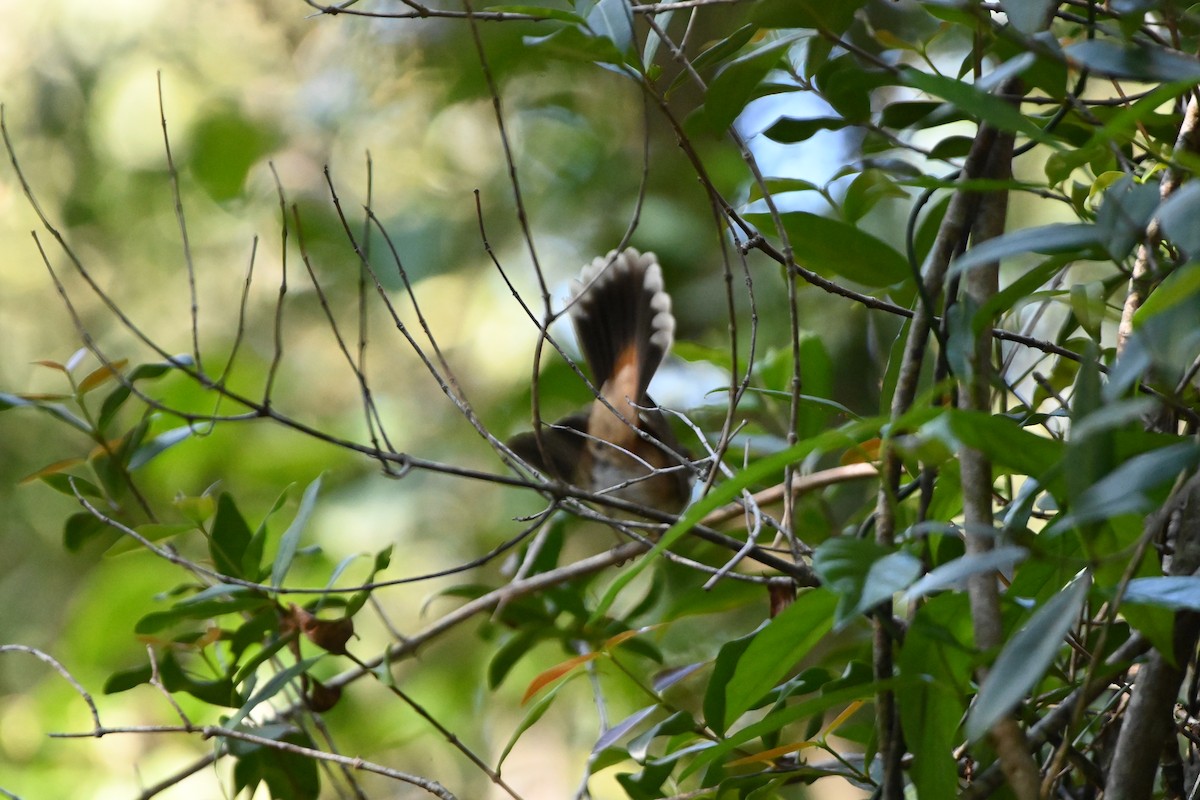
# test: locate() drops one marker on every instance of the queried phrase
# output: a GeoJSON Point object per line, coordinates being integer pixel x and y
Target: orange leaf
{"type": "Point", "coordinates": [553, 674]}
{"type": "Point", "coordinates": [625, 636]}
{"type": "Point", "coordinates": [842, 717]}
{"type": "Point", "coordinates": [34, 398]}
{"type": "Point", "coordinates": [51, 364]}
{"type": "Point", "coordinates": [101, 374]}
{"type": "Point", "coordinates": [50, 469]}
{"type": "Point", "coordinates": [770, 755]}
{"type": "Point", "coordinates": [865, 452]}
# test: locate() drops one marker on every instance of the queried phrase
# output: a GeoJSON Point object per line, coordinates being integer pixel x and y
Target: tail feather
{"type": "Point", "coordinates": [623, 317]}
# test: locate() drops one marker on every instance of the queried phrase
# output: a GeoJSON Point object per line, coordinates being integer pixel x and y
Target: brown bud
{"type": "Point", "coordinates": [330, 635]}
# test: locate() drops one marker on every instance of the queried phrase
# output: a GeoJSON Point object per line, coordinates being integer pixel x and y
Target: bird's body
{"type": "Point", "coordinates": [622, 445]}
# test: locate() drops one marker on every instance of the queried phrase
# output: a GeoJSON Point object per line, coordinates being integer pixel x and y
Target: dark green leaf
{"type": "Point", "coordinates": [229, 538]}
{"type": "Point", "coordinates": [952, 147]}
{"type": "Point", "coordinates": [932, 708]}
{"type": "Point", "coordinates": [66, 484]}
{"type": "Point", "coordinates": [82, 528]}
{"type": "Point", "coordinates": [1001, 439]}
{"type": "Point", "coordinates": [832, 247]}
{"type": "Point", "coordinates": [957, 571]}
{"type": "Point", "coordinates": [509, 653]}
{"type": "Point", "coordinates": [979, 104]}
{"type": "Point", "coordinates": [1150, 64]}
{"type": "Point", "coordinates": [573, 43]}
{"type": "Point", "coordinates": [112, 403]}
{"type": "Point", "coordinates": [789, 130]}
{"type": "Point", "coordinates": [226, 143]}
{"type": "Point", "coordinates": [776, 648]}
{"type": "Point", "coordinates": [862, 573]}
{"type": "Point", "coordinates": [734, 86]}
{"type": "Point", "coordinates": [865, 191]}
{"type": "Point", "coordinates": [1026, 657]}
{"type": "Point", "coordinates": [1126, 490]}
{"type": "Point", "coordinates": [819, 15]}
{"type": "Point", "coordinates": [1060, 237]}
{"type": "Point", "coordinates": [721, 50]}
{"type": "Point", "coordinates": [128, 679]}
{"type": "Point", "coordinates": [1125, 213]}
{"type": "Point", "coordinates": [288, 775]}
{"type": "Point", "coordinates": [718, 682]}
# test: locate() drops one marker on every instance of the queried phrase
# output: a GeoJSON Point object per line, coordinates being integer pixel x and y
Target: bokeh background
{"type": "Point", "coordinates": [266, 91]}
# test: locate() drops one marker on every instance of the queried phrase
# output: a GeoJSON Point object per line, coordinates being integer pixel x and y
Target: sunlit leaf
{"type": "Point", "coordinates": [101, 375]}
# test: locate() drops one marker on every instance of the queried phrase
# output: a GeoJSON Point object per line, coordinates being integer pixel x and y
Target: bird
{"type": "Point", "coordinates": [622, 445]}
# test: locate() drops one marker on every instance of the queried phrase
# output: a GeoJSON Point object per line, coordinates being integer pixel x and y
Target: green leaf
{"type": "Point", "coordinates": [229, 537]}
{"type": "Point", "coordinates": [1137, 62]}
{"type": "Point", "coordinates": [8, 401]}
{"type": "Point", "coordinates": [862, 573]}
{"type": "Point", "coordinates": [1181, 286]}
{"type": "Point", "coordinates": [718, 682]}
{"type": "Point", "coordinates": [81, 528]}
{"type": "Point", "coordinates": [1178, 215]}
{"type": "Point", "coordinates": [573, 43]}
{"type": "Point", "coordinates": [769, 466]}
{"type": "Point", "coordinates": [734, 86]}
{"type": "Point", "coordinates": [272, 687]}
{"type": "Point", "coordinates": [1126, 490]}
{"type": "Point", "coordinates": [151, 531]}
{"type": "Point", "coordinates": [1060, 237]}
{"type": "Point", "coordinates": [1026, 657]}
{"type": "Point", "coordinates": [66, 484]}
{"type": "Point", "coordinates": [819, 15]}
{"type": "Point", "coordinates": [979, 104]}
{"type": "Point", "coordinates": [1001, 439]}
{"type": "Point", "coordinates": [865, 191]}
{"type": "Point", "coordinates": [291, 537]}
{"type": "Point", "coordinates": [383, 559]}
{"type": "Point", "coordinates": [158, 444]}
{"type": "Point", "coordinates": [932, 708]}
{"type": "Point", "coordinates": [789, 130]}
{"type": "Point", "coordinates": [1176, 592]}
{"type": "Point", "coordinates": [226, 143]}
{"type": "Point", "coordinates": [786, 716]}
{"type": "Point", "coordinates": [776, 648]}
{"type": "Point", "coordinates": [955, 572]}
{"type": "Point", "coordinates": [288, 775]}
{"type": "Point", "coordinates": [612, 20]}
{"type": "Point", "coordinates": [1029, 16]}
{"type": "Point", "coordinates": [721, 50]}
{"type": "Point", "coordinates": [832, 247]}
{"type": "Point", "coordinates": [127, 679]}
